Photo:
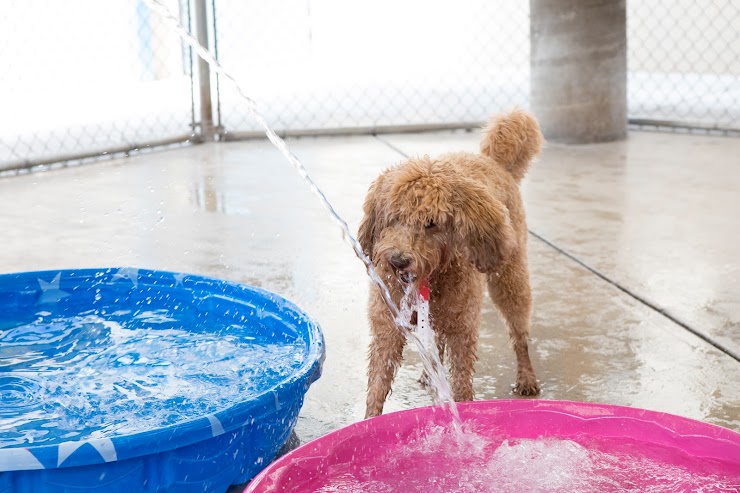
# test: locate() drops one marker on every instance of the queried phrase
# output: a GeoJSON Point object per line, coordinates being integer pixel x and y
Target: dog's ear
{"type": "Point", "coordinates": [370, 224]}
{"type": "Point", "coordinates": [482, 223]}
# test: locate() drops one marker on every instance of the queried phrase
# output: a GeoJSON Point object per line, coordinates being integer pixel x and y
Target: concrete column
{"type": "Point", "coordinates": [579, 69]}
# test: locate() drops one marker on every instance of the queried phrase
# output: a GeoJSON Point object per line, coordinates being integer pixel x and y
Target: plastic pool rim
{"type": "Point", "coordinates": [182, 433]}
{"type": "Point", "coordinates": [708, 441]}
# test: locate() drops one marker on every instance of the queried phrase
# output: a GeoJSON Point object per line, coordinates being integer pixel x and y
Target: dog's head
{"type": "Point", "coordinates": [421, 215]}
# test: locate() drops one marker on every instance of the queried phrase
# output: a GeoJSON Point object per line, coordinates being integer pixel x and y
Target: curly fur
{"type": "Point", "coordinates": [457, 221]}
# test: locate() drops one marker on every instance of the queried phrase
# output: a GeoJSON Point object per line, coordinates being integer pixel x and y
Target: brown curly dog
{"type": "Point", "coordinates": [456, 221]}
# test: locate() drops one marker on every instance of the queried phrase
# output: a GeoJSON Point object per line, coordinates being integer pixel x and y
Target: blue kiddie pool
{"type": "Point", "coordinates": [131, 380]}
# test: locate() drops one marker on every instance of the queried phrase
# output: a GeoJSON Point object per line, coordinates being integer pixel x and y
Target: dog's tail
{"type": "Point", "coordinates": [512, 140]}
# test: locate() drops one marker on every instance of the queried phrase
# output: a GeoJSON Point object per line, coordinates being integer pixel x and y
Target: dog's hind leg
{"type": "Point", "coordinates": [510, 291]}
{"type": "Point", "coordinates": [386, 352]}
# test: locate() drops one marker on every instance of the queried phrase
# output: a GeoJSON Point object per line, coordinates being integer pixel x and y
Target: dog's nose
{"type": "Point", "coordinates": [399, 261]}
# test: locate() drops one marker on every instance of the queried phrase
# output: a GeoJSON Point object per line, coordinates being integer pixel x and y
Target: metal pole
{"type": "Point", "coordinates": [219, 130]}
{"type": "Point", "coordinates": [204, 72]}
{"type": "Point", "coordinates": [109, 153]}
{"type": "Point", "coordinates": [375, 130]}
{"type": "Point", "coordinates": [191, 68]}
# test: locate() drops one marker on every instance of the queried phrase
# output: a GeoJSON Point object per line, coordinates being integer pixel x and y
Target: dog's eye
{"type": "Point", "coordinates": [430, 224]}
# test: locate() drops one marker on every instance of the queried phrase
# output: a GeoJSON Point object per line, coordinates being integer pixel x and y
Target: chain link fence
{"type": "Point", "coordinates": [85, 78]}
{"type": "Point", "coordinates": [332, 64]}
{"type": "Point", "coordinates": [684, 63]}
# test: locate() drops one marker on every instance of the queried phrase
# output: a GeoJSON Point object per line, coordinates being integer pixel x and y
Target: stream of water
{"type": "Point", "coordinates": [442, 393]}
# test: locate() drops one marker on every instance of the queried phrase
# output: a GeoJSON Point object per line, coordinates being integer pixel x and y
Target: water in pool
{"type": "Point", "coordinates": [432, 462]}
{"type": "Point", "coordinates": [67, 378]}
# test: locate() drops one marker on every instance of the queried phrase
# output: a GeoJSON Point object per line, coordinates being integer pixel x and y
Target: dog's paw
{"type": "Point", "coordinates": [526, 386]}
{"type": "Point", "coordinates": [372, 411]}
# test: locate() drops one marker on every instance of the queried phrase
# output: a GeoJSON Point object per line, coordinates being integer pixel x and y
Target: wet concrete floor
{"type": "Point", "coordinates": [634, 257]}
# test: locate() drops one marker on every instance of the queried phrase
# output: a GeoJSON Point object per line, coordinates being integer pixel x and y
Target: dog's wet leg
{"type": "Point", "coordinates": [461, 353]}
{"type": "Point", "coordinates": [510, 291]}
{"type": "Point", "coordinates": [386, 352]}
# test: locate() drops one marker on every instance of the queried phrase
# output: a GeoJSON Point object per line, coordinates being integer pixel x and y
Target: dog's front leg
{"type": "Point", "coordinates": [425, 380]}
{"type": "Point", "coordinates": [461, 351]}
{"type": "Point", "coordinates": [386, 352]}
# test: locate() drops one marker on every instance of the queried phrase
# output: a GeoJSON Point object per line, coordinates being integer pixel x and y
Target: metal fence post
{"type": "Point", "coordinates": [204, 73]}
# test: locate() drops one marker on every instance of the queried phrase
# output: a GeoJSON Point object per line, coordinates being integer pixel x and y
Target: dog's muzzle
{"type": "Point", "coordinates": [401, 263]}
{"type": "Point", "coordinates": [406, 277]}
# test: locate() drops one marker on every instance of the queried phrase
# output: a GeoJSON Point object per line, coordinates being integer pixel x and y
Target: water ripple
{"type": "Point", "coordinates": [19, 394]}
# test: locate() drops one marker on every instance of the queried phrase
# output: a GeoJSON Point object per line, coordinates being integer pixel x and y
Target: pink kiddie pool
{"type": "Point", "coordinates": [514, 446]}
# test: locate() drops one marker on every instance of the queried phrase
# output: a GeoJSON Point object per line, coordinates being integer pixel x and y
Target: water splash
{"type": "Point", "coordinates": [416, 300]}
{"type": "Point", "coordinates": [73, 378]}
{"type": "Point", "coordinates": [492, 464]}
{"type": "Point", "coordinates": [430, 360]}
